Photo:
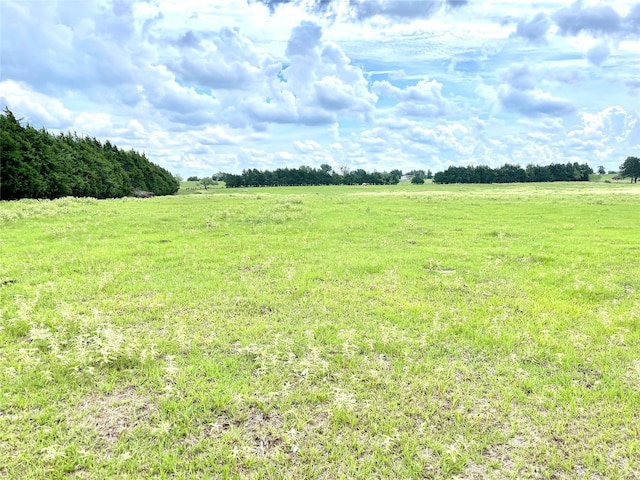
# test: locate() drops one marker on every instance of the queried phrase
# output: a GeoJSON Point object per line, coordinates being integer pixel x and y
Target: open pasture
{"type": "Point", "coordinates": [323, 332]}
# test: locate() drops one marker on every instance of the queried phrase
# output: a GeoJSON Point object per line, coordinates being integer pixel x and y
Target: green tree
{"type": "Point", "coordinates": [207, 182]}
{"type": "Point", "coordinates": [417, 180]}
{"type": "Point", "coordinates": [326, 168]}
{"type": "Point", "coordinates": [631, 169]}
{"type": "Point", "coordinates": [37, 164]}
{"type": "Point", "coordinates": [601, 170]}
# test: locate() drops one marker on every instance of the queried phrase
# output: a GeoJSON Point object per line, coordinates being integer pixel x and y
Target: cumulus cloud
{"type": "Point", "coordinates": [95, 124]}
{"type": "Point", "coordinates": [84, 46]}
{"type": "Point", "coordinates": [188, 40]}
{"type": "Point", "coordinates": [612, 124]}
{"type": "Point", "coordinates": [398, 10]}
{"type": "Point", "coordinates": [568, 76]}
{"type": "Point", "coordinates": [308, 146]}
{"type": "Point", "coordinates": [599, 20]}
{"type": "Point", "coordinates": [534, 30]}
{"type": "Point", "coordinates": [317, 87]}
{"type": "Point", "coordinates": [38, 109]}
{"type": "Point", "coordinates": [533, 102]}
{"type": "Point", "coordinates": [218, 135]}
{"type": "Point", "coordinates": [230, 61]}
{"type": "Point", "coordinates": [486, 93]}
{"type": "Point", "coordinates": [203, 87]}
{"type": "Point", "coordinates": [305, 38]}
{"type": "Point", "coordinates": [402, 9]}
{"type": "Point", "coordinates": [519, 94]}
{"type": "Point", "coordinates": [631, 22]}
{"type": "Point", "coordinates": [182, 104]}
{"type": "Point", "coordinates": [421, 100]}
{"type": "Point", "coordinates": [520, 77]}
{"type": "Point", "coordinates": [633, 85]}
{"type": "Point", "coordinates": [595, 19]}
{"type": "Point", "coordinates": [421, 134]}
{"type": "Point", "coordinates": [598, 54]}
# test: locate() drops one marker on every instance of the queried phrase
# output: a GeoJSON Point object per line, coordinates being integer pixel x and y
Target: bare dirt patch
{"type": "Point", "coordinates": [261, 431]}
{"type": "Point", "coordinates": [112, 414]}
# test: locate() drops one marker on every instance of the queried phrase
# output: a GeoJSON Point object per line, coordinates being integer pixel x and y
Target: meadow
{"type": "Point", "coordinates": [323, 332]}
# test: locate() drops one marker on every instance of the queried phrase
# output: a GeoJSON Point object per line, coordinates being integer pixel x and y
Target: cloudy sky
{"type": "Point", "coordinates": [224, 85]}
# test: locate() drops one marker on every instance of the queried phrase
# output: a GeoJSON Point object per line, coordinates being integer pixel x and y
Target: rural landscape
{"type": "Point", "coordinates": [319, 239]}
{"type": "Point", "coordinates": [403, 331]}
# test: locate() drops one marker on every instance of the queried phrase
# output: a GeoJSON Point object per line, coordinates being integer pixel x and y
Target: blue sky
{"type": "Point", "coordinates": [208, 86]}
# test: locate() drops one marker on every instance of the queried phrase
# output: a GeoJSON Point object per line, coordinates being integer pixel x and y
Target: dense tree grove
{"type": "Point", "coordinates": [37, 164]}
{"type": "Point", "coordinates": [308, 176]}
{"type": "Point", "coordinates": [514, 173]}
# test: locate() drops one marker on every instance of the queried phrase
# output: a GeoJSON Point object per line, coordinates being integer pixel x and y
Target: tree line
{"type": "Point", "coordinates": [37, 164]}
{"type": "Point", "coordinates": [324, 175]}
{"type": "Point", "coordinates": [508, 173]}
{"type": "Point", "coordinates": [305, 175]}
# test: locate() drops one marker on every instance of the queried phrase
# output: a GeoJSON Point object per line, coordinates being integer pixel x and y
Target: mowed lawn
{"type": "Point", "coordinates": [323, 332]}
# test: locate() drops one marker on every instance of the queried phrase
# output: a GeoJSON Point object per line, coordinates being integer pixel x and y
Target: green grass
{"type": "Point", "coordinates": [335, 332]}
{"type": "Point", "coordinates": [189, 188]}
{"type": "Point", "coordinates": [607, 178]}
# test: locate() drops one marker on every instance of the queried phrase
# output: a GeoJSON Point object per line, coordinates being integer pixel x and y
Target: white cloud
{"type": "Point", "coordinates": [534, 30]}
{"type": "Point", "coordinates": [519, 94]}
{"type": "Point", "coordinates": [598, 54]}
{"type": "Point", "coordinates": [36, 108]}
{"type": "Point", "coordinates": [230, 61]}
{"type": "Point", "coordinates": [202, 87]}
{"type": "Point", "coordinates": [534, 102]}
{"type": "Point", "coordinates": [94, 124]}
{"type": "Point", "coordinates": [595, 19]}
{"type": "Point", "coordinates": [308, 146]}
{"type": "Point", "coordinates": [318, 86]}
{"type": "Point", "coordinates": [611, 125]}
{"type": "Point", "coordinates": [421, 100]}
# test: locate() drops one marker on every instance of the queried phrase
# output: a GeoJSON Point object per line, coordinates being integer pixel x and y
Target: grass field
{"type": "Point", "coordinates": [323, 332]}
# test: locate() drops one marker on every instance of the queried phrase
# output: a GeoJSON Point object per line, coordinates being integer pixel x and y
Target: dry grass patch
{"type": "Point", "coordinates": [110, 416]}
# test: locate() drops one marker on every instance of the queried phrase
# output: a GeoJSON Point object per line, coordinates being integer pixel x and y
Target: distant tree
{"type": "Point", "coordinates": [601, 170]}
{"type": "Point", "coordinates": [509, 173]}
{"type": "Point", "coordinates": [326, 168]}
{"type": "Point", "coordinates": [514, 173]}
{"type": "Point", "coordinates": [429, 174]}
{"type": "Point", "coordinates": [206, 182]}
{"type": "Point", "coordinates": [193, 179]}
{"type": "Point", "coordinates": [537, 173]}
{"type": "Point", "coordinates": [394, 176]}
{"type": "Point", "coordinates": [178, 177]}
{"type": "Point", "coordinates": [440, 177]}
{"type": "Point", "coordinates": [631, 169]}
{"type": "Point", "coordinates": [418, 177]}
{"type": "Point", "coordinates": [233, 181]}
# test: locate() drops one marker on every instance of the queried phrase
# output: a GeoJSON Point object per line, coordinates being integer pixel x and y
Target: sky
{"type": "Point", "coordinates": [224, 85]}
